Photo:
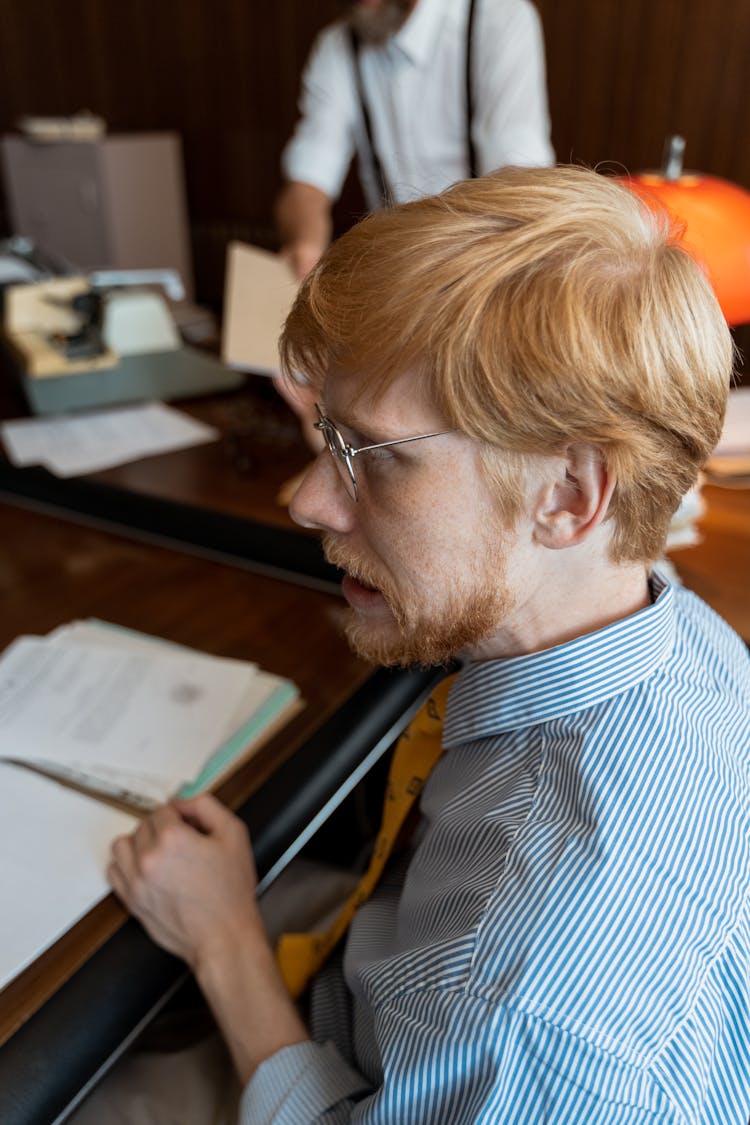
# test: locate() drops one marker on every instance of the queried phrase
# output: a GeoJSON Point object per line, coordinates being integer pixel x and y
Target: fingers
{"type": "Point", "coordinates": [185, 872]}
{"type": "Point", "coordinates": [302, 257]}
{"type": "Point", "coordinates": [213, 819]}
{"type": "Point", "coordinates": [118, 883]}
{"type": "Point", "coordinates": [151, 830]}
{"type": "Point", "coordinates": [157, 821]}
{"type": "Point", "coordinates": [121, 869]}
{"type": "Point", "coordinates": [204, 812]}
{"type": "Point", "coordinates": [129, 853]}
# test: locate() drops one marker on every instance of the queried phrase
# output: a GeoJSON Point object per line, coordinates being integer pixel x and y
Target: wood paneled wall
{"type": "Point", "coordinates": [622, 74]}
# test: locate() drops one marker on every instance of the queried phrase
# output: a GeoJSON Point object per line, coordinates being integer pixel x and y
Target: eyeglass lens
{"type": "Point", "coordinates": [342, 459]}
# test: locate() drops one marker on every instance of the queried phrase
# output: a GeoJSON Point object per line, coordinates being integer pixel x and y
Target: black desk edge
{"type": "Point", "coordinates": [275, 551]}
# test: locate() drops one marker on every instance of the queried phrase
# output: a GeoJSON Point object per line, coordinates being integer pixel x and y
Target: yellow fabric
{"type": "Point", "coordinates": [299, 956]}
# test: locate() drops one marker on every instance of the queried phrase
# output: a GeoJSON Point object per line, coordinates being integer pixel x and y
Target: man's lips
{"type": "Point", "coordinates": [359, 595]}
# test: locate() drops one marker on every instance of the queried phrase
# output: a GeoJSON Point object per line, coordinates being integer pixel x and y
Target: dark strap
{"type": "Point", "coordinates": [385, 194]}
{"type": "Point", "coordinates": [471, 153]}
{"type": "Point", "coordinates": [471, 150]}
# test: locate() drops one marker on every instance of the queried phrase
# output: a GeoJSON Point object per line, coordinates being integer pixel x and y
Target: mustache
{"type": "Point", "coordinates": [360, 569]}
{"type": "Point", "coordinates": [351, 561]}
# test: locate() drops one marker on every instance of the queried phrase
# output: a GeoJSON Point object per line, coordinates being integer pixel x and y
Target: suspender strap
{"type": "Point", "coordinates": [385, 194]}
{"type": "Point", "coordinates": [471, 152]}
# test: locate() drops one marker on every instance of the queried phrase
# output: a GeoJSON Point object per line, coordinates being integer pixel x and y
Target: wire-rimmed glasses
{"type": "Point", "coordinates": [343, 453]}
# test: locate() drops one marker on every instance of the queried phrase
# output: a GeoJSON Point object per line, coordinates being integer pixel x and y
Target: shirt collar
{"type": "Point", "coordinates": [502, 695]}
{"type": "Point", "coordinates": [417, 36]}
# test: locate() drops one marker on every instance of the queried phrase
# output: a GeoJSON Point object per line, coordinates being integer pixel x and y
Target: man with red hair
{"type": "Point", "coordinates": [517, 381]}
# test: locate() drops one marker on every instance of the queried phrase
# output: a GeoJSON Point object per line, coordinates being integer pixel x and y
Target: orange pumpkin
{"type": "Point", "coordinates": [716, 217]}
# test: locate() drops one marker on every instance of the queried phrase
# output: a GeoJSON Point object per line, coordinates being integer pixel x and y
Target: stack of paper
{"type": "Point", "coordinates": [128, 716]}
{"type": "Point", "coordinates": [100, 439]}
{"type": "Point", "coordinates": [121, 715]}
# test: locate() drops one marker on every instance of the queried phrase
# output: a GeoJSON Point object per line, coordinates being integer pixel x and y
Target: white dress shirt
{"type": "Point", "coordinates": [414, 87]}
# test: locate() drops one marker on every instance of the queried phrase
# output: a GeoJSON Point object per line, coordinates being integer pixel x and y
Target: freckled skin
{"type": "Point", "coordinates": [426, 532]}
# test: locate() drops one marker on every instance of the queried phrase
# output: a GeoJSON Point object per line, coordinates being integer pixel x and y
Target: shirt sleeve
{"type": "Point", "coordinates": [322, 145]}
{"type": "Point", "coordinates": [308, 1082]}
{"type": "Point", "coordinates": [450, 1056]}
{"type": "Point", "coordinates": [511, 122]}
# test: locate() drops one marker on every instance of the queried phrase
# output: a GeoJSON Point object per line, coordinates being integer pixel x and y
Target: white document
{"type": "Point", "coordinates": [123, 714]}
{"type": "Point", "coordinates": [91, 708]}
{"type": "Point", "coordinates": [88, 442]}
{"type": "Point", "coordinates": [53, 857]}
{"type": "Point", "coordinates": [259, 291]}
{"type": "Point", "coordinates": [94, 632]}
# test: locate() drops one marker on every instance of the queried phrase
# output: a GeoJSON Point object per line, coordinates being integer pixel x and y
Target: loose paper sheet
{"type": "Point", "coordinates": [95, 632]}
{"type": "Point", "coordinates": [258, 293]}
{"type": "Point", "coordinates": [53, 858]}
{"type": "Point", "coordinates": [91, 441]}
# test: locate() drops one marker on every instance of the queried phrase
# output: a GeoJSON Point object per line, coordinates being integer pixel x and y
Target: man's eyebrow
{"type": "Point", "coordinates": [358, 427]}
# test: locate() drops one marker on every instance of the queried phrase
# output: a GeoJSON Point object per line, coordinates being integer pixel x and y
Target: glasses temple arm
{"type": "Point", "coordinates": [399, 441]}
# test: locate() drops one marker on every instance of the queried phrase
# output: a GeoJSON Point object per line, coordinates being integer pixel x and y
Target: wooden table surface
{"type": "Point", "coordinates": [53, 571]}
{"type": "Point", "coordinates": [718, 568]}
{"type": "Point", "coordinates": [239, 475]}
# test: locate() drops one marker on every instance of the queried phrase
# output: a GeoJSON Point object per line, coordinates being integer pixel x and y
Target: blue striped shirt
{"type": "Point", "coordinates": [568, 941]}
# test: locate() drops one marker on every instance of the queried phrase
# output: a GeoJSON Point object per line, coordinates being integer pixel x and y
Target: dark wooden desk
{"type": "Point", "coordinates": [219, 499]}
{"type": "Point", "coordinates": [74, 1008]}
{"type": "Point", "coordinates": [718, 568]}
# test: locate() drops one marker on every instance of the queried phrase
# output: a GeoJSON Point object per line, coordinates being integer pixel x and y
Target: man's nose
{"type": "Point", "coordinates": [321, 501]}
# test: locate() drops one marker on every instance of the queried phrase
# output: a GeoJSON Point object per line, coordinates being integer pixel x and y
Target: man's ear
{"type": "Point", "coordinates": [576, 500]}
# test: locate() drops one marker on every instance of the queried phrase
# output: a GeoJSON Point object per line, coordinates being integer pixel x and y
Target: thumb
{"type": "Point", "coordinates": [203, 812]}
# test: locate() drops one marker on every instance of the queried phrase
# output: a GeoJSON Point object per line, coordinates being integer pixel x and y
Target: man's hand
{"type": "Point", "coordinates": [188, 874]}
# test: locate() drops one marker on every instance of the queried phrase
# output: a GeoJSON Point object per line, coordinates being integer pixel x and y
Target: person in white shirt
{"type": "Point", "coordinates": [426, 92]}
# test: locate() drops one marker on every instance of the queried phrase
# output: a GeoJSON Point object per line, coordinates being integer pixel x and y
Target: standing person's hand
{"type": "Point", "coordinates": [302, 257]}
{"type": "Point", "coordinates": [303, 218]}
